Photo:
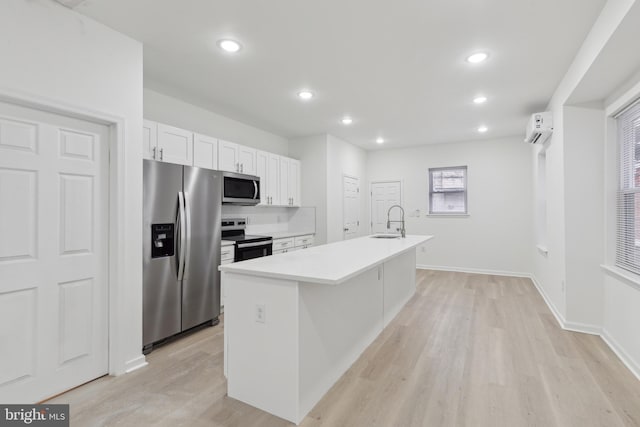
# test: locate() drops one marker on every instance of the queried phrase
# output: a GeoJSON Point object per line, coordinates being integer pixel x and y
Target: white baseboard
{"type": "Point", "coordinates": [136, 363]}
{"type": "Point", "coordinates": [584, 328]}
{"type": "Point", "coordinates": [556, 313]}
{"type": "Point", "coordinates": [473, 271]}
{"type": "Point", "coordinates": [628, 361]}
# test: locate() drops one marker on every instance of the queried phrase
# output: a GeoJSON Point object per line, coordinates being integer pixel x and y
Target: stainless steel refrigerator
{"type": "Point", "coordinates": [181, 255]}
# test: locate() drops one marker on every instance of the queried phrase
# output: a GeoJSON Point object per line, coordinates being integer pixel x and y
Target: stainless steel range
{"type": "Point", "coordinates": [246, 246]}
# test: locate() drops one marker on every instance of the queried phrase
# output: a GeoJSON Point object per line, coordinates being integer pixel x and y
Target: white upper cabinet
{"type": "Point", "coordinates": [247, 159]}
{"type": "Point", "coordinates": [273, 179]}
{"type": "Point", "coordinates": [175, 145]}
{"type": "Point", "coordinates": [294, 183]}
{"type": "Point", "coordinates": [234, 157]}
{"type": "Point", "coordinates": [149, 139]}
{"type": "Point", "coordinates": [205, 152]}
{"type": "Point", "coordinates": [279, 176]}
{"type": "Point", "coordinates": [228, 156]}
{"type": "Point", "coordinates": [268, 169]}
{"type": "Point", "coordinates": [262, 164]}
{"type": "Point", "coordinates": [284, 182]}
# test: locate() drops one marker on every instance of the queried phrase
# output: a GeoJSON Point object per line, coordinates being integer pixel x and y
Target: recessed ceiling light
{"type": "Point", "coordinates": [477, 57]}
{"type": "Point", "coordinates": [347, 120]}
{"type": "Point", "coordinates": [380, 140]}
{"type": "Point", "coordinates": [305, 95]}
{"type": "Point", "coordinates": [479, 99]}
{"type": "Point", "coordinates": [229, 45]}
{"type": "Point", "coordinates": [483, 129]}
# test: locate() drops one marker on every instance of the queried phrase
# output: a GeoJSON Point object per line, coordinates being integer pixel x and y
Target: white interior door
{"type": "Point", "coordinates": [351, 204]}
{"type": "Point", "coordinates": [53, 253]}
{"type": "Point", "coordinates": [383, 196]}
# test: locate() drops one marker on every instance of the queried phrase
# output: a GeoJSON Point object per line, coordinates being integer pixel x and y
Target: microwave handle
{"type": "Point", "coordinates": [255, 186]}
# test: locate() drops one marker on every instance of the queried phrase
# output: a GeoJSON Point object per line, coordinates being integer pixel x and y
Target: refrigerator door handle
{"type": "Point", "coordinates": [187, 250]}
{"type": "Point", "coordinates": [182, 237]}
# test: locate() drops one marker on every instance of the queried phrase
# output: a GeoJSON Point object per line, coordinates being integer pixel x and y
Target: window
{"type": "Point", "coordinates": [628, 200]}
{"type": "Point", "coordinates": [448, 190]}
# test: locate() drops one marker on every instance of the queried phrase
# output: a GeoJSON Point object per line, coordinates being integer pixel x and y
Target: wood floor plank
{"type": "Point", "coordinates": [467, 350]}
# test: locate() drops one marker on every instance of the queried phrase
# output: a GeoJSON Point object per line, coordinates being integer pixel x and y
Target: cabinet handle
{"type": "Point", "coordinates": [161, 154]}
{"type": "Point", "coordinates": [241, 167]}
{"type": "Point", "coordinates": [153, 153]}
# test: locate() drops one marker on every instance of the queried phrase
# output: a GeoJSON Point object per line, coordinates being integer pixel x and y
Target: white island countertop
{"type": "Point", "coordinates": [329, 264]}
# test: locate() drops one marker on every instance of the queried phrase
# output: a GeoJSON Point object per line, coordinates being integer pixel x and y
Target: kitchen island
{"type": "Point", "coordinates": [295, 322]}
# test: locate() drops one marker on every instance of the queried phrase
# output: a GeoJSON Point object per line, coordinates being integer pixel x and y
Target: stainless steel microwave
{"type": "Point", "coordinates": [240, 189]}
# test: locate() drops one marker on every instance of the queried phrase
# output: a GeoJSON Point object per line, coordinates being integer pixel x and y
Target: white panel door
{"type": "Point", "coordinates": [149, 140]}
{"type": "Point", "coordinates": [53, 253]}
{"type": "Point", "coordinates": [228, 156]}
{"type": "Point", "coordinates": [205, 152]}
{"type": "Point", "coordinates": [247, 160]}
{"type": "Point", "coordinates": [262, 164]}
{"type": "Point", "coordinates": [351, 207]}
{"type": "Point", "coordinates": [383, 196]}
{"type": "Point", "coordinates": [175, 145]}
{"type": "Point", "coordinates": [273, 179]}
{"type": "Point", "coordinates": [294, 182]}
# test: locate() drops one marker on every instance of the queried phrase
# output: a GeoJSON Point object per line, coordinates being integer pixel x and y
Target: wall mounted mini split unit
{"type": "Point", "coordinates": [539, 128]}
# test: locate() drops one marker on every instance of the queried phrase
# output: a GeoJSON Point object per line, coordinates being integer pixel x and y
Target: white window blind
{"type": "Point", "coordinates": [628, 200]}
{"type": "Point", "coordinates": [448, 190]}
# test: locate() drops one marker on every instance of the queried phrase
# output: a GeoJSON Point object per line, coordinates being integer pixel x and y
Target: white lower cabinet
{"type": "Point", "coordinates": [227, 255]}
{"type": "Point", "coordinates": [282, 245]}
{"type": "Point", "coordinates": [289, 244]}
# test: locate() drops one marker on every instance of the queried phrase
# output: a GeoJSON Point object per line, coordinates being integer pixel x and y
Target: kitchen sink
{"type": "Point", "coordinates": [386, 236]}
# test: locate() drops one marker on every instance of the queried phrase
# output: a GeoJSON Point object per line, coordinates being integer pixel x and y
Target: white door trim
{"type": "Point", "coordinates": [118, 363]}
{"type": "Point", "coordinates": [382, 181]}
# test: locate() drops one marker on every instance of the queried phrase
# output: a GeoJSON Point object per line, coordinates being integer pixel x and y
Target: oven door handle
{"type": "Point", "coordinates": [253, 245]}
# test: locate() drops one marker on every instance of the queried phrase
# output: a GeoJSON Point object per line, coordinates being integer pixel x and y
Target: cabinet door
{"type": "Point", "coordinates": [228, 156]}
{"type": "Point", "coordinates": [273, 179]}
{"type": "Point", "coordinates": [284, 181]}
{"type": "Point", "coordinates": [262, 164]}
{"type": "Point", "coordinates": [149, 139]}
{"type": "Point", "coordinates": [294, 182]}
{"type": "Point", "coordinates": [175, 145]}
{"type": "Point", "coordinates": [205, 152]}
{"type": "Point", "coordinates": [247, 160]}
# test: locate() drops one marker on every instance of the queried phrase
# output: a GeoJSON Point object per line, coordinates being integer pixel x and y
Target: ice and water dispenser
{"type": "Point", "coordinates": [162, 244]}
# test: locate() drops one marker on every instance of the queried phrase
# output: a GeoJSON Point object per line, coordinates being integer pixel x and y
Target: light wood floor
{"type": "Point", "coordinates": [467, 350]}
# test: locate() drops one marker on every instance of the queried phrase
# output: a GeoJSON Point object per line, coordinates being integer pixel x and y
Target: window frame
{"type": "Point", "coordinates": [465, 191]}
{"type": "Point", "coordinates": [626, 191]}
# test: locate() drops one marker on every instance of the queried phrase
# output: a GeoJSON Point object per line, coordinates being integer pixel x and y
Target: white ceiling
{"type": "Point", "coordinates": [397, 67]}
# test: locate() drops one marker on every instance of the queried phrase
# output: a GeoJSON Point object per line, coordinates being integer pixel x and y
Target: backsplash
{"type": "Point", "coordinates": [273, 219]}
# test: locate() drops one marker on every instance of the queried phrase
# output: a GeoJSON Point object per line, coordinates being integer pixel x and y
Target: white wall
{"type": "Point", "coordinates": [581, 182]}
{"type": "Point", "coordinates": [175, 112]}
{"type": "Point", "coordinates": [312, 153]}
{"type": "Point", "coordinates": [53, 54]}
{"type": "Point", "coordinates": [496, 235]}
{"type": "Point", "coordinates": [344, 158]}
{"type": "Point", "coordinates": [584, 194]}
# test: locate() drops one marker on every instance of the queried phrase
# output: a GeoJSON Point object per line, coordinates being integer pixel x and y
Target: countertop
{"type": "Point", "coordinates": [329, 264]}
{"type": "Point", "coordinates": [226, 242]}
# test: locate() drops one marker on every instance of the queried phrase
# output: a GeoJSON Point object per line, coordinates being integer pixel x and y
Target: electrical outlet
{"type": "Point", "coordinates": [261, 314]}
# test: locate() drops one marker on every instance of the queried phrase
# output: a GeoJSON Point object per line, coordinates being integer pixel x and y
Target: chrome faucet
{"type": "Point", "coordinates": [402, 231]}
